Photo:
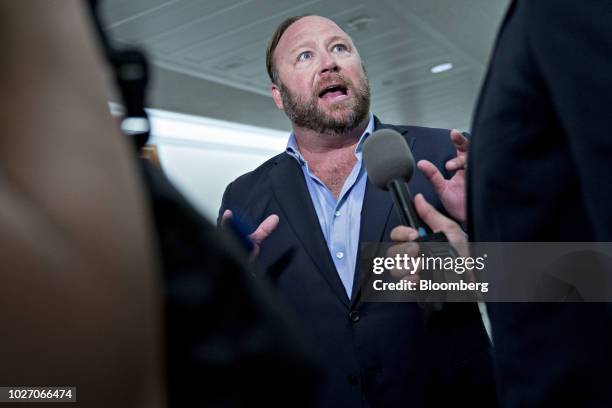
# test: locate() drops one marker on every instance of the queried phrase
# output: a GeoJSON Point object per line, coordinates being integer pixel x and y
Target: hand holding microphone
{"type": "Point", "coordinates": [405, 236]}
{"type": "Point", "coordinates": [437, 222]}
{"type": "Point", "coordinates": [390, 166]}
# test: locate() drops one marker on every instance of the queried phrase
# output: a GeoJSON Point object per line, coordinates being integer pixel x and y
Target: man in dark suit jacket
{"type": "Point", "coordinates": [541, 170]}
{"type": "Point", "coordinates": [373, 354]}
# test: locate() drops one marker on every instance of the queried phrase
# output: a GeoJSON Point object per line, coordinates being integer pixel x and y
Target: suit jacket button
{"type": "Point", "coordinates": [354, 316]}
{"type": "Point", "coordinates": [353, 379]}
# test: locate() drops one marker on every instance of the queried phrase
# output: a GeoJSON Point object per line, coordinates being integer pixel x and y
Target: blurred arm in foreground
{"type": "Point", "coordinates": [79, 302]}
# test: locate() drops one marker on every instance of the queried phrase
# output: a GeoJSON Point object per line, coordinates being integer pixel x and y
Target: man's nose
{"type": "Point", "coordinates": [328, 64]}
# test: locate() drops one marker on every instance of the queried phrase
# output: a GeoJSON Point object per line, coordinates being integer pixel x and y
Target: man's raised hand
{"type": "Point", "coordinates": [264, 229]}
{"type": "Point", "coordinates": [451, 191]}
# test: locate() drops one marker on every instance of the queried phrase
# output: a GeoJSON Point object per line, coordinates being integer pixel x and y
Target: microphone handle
{"type": "Point", "coordinates": [408, 216]}
{"type": "Point", "coordinates": [403, 203]}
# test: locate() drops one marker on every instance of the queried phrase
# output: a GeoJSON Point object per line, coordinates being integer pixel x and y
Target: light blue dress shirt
{"type": "Point", "coordinates": [340, 219]}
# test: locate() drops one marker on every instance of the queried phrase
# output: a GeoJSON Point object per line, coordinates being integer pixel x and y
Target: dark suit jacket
{"type": "Point", "coordinates": [541, 170]}
{"type": "Point", "coordinates": [373, 354]}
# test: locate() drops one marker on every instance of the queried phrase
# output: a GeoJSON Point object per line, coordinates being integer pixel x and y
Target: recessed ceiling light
{"type": "Point", "coordinates": [441, 68]}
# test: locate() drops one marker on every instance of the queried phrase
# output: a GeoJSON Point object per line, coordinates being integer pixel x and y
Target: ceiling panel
{"type": "Point", "coordinates": [160, 20]}
{"type": "Point", "coordinates": [122, 12]}
{"type": "Point", "coordinates": [223, 43]}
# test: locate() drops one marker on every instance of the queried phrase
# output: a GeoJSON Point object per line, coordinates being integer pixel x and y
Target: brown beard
{"type": "Point", "coordinates": [307, 114]}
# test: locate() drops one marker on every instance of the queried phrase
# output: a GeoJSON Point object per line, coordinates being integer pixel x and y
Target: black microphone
{"type": "Point", "coordinates": [390, 166]}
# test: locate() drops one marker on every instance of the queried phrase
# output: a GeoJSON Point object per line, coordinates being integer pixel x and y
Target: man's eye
{"type": "Point", "coordinates": [339, 48]}
{"type": "Point", "coordinates": [306, 55]}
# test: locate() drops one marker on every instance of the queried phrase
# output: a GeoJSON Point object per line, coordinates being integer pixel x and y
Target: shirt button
{"type": "Point", "coordinates": [354, 316]}
{"type": "Point", "coordinates": [339, 255]}
{"type": "Point", "coordinates": [337, 214]}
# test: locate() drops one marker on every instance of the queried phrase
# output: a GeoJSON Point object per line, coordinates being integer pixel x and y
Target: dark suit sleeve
{"type": "Point", "coordinates": [572, 42]}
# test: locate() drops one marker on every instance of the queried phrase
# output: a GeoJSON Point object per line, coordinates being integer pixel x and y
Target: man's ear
{"type": "Point", "coordinates": [276, 95]}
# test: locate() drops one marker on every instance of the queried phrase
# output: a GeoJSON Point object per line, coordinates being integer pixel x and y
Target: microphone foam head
{"type": "Point", "coordinates": [386, 156]}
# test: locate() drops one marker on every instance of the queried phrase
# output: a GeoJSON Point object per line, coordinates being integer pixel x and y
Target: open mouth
{"type": "Point", "coordinates": [333, 91]}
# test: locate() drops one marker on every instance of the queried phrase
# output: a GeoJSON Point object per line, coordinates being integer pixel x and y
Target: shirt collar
{"type": "Point", "coordinates": [294, 151]}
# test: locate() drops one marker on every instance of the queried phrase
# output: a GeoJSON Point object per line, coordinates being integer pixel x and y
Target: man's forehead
{"type": "Point", "coordinates": [309, 28]}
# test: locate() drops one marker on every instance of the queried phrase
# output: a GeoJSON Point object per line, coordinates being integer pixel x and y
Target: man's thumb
{"type": "Point", "coordinates": [265, 228]}
{"type": "Point", "coordinates": [434, 219]}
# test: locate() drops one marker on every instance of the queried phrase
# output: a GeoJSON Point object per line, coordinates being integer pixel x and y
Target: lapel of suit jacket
{"type": "Point", "coordinates": [375, 212]}
{"type": "Point", "coordinates": [292, 194]}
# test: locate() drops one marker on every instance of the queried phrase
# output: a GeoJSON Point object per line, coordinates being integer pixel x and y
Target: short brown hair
{"type": "Point", "coordinates": [278, 33]}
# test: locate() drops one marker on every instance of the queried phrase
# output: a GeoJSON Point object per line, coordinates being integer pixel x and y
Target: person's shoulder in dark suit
{"type": "Point", "coordinates": [540, 172]}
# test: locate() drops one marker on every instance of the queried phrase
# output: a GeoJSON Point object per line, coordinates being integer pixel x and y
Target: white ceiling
{"type": "Point", "coordinates": [209, 56]}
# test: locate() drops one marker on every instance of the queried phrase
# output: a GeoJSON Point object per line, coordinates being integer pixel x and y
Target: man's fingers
{"type": "Point", "coordinates": [265, 228]}
{"type": "Point", "coordinates": [439, 223]}
{"type": "Point", "coordinates": [462, 145]}
{"type": "Point", "coordinates": [402, 233]}
{"type": "Point", "coordinates": [410, 249]}
{"type": "Point", "coordinates": [432, 174]}
{"type": "Point", "coordinates": [432, 217]}
{"type": "Point", "coordinates": [458, 163]}
{"type": "Point", "coordinates": [227, 215]}
{"type": "Point", "coordinates": [461, 142]}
